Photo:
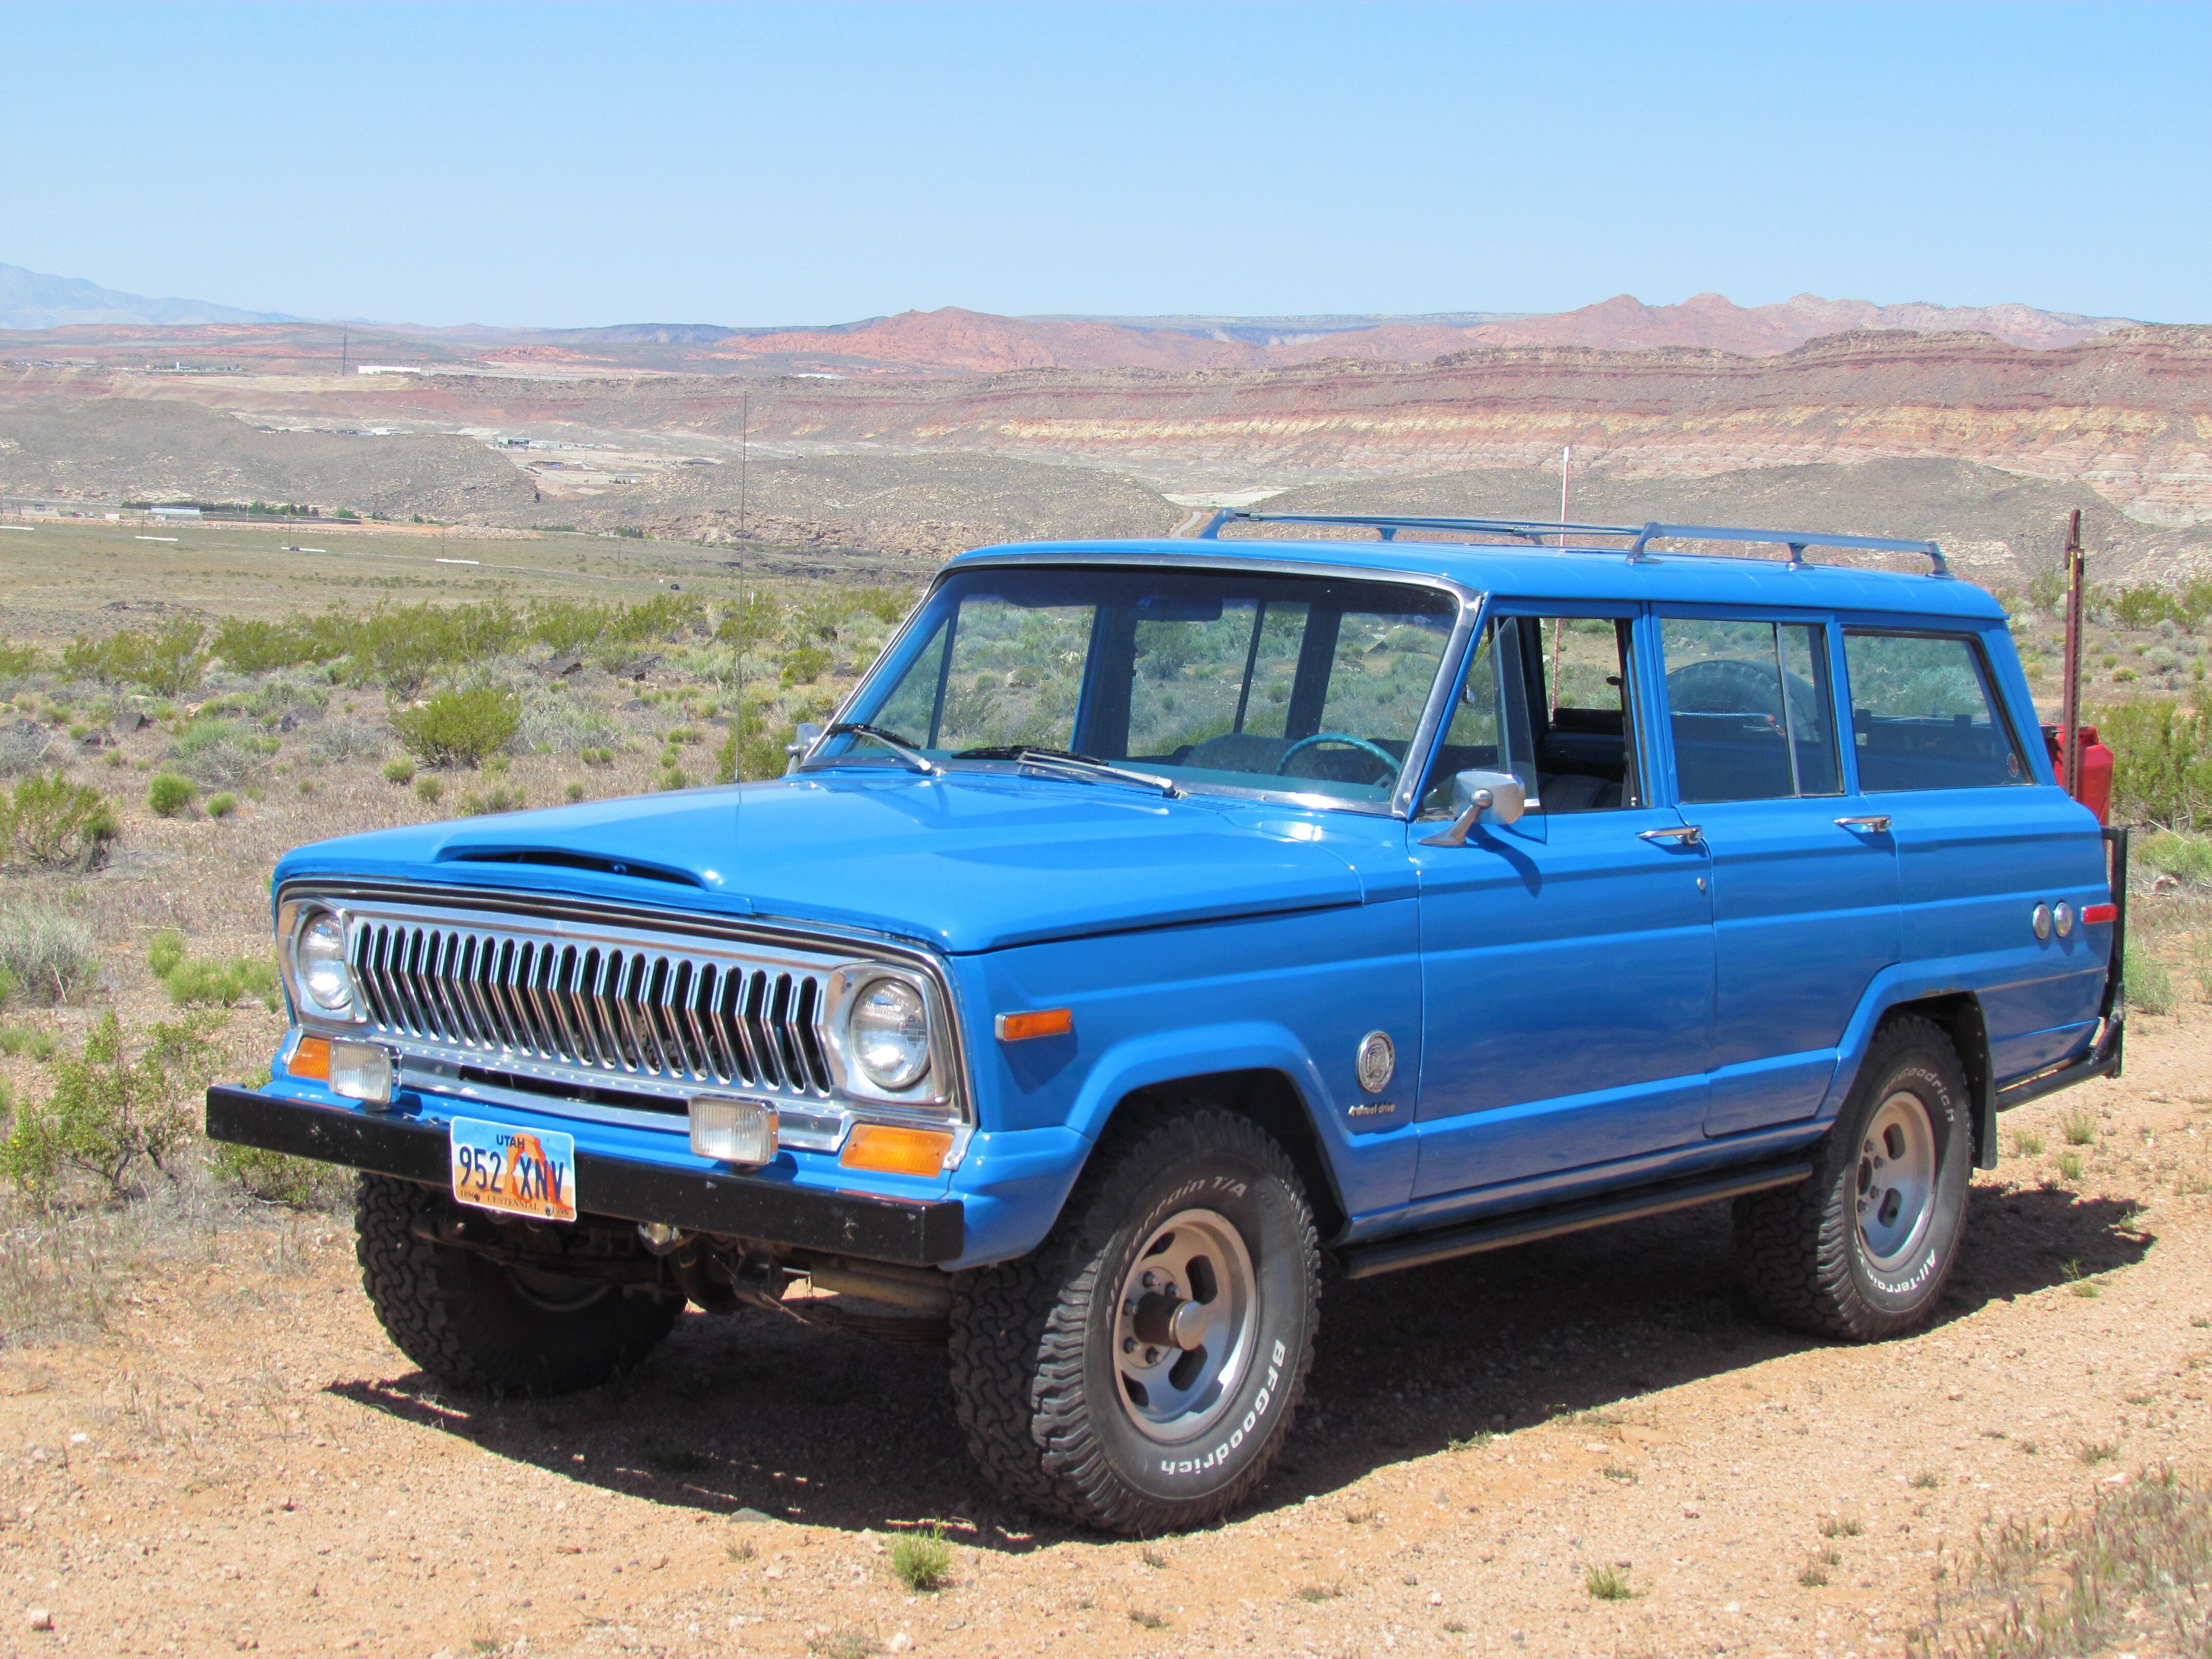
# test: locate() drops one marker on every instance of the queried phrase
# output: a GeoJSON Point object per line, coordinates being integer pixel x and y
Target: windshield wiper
{"type": "Point", "coordinates": [1066, 760]}
{"type": "Point", "coordinates": [892, 741]}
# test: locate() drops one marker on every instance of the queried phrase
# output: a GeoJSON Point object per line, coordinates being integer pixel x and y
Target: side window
{"type": "Point", "coordinates": [1923, 715]}
{"type": "Point", "coordinates": [1547, 699]}
{"type": "Point", "coordinates": [1749, 707]}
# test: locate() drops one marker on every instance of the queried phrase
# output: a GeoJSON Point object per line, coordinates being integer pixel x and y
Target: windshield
{"type": "Point", "coordinates": [1215, 680]}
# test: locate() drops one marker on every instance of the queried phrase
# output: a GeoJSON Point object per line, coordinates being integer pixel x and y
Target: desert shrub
{"type": "Point", "coordinates": [399, 771]}
{"type": "Point", "coordinates": [23, 745]}
{"type": "Point", "coordinates": [220, 754]}
{"type": "Point", "coordinates": [206, 982]}
{"type": "Point", "coordinates": [347, 739]}
{"type": "Point", "coordinates": [45, 953]}
{"type": "Point", "coordinates": [885, 604]}
{"type": "Point", "coordinates": [2161, 762]}
{"type": "Point", "coordinates": [562, 724]}
{"type": "Point", "coordinates": [427, 789]}
{"type": "Point", "coordinates": [15, 1040]}
{"type": "Point", "coordinates": [168, 661]}
{"type": "Point", "coordinates": [754, 748]}
{"type": "Point", "coordinates": [221, 806]}
{"type": "Point", "coordinates": [2149, 984]}
{"type": "Point", "coordinates": [2177, 853]}
{"type": "Point", "coordinates": [297, 1183]}
{"type": "Point", "coordinates": [460, 728]}
{"type": "Point", "coordinates": [804, 663]}
{"type": "Point", "coordinates": [921, 1562]}
{"type": "Point", "coordinates": [497, 799]}
{"type": "Point", "coordinates": [169, 794]}
{"type": "Point", "coordinates": [17, 660]}
{"type": "Point", "coordinates": [105, 1114]}
{"type": "Point", "coordinates": [253, 647]}
{"type": "Point", "coordinates": [47, 822]}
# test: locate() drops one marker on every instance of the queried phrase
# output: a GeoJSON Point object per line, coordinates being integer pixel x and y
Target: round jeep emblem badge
{"type": "Point", "coordinates": [1377, 1060]}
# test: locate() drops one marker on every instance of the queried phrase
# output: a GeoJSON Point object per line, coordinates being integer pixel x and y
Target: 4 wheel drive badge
{"type": "Point", "coordinates": [1377, 1060]}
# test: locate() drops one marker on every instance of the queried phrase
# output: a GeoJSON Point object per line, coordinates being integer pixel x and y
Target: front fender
{"type": "Point", "coordinates": [1016, 1180]}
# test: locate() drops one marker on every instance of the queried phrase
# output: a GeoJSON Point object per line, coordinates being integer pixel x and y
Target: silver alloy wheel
{"type": "Point", "coordinates": [1184, 1329]}
{"type": "Point", "coordinates": [1897, 1180]}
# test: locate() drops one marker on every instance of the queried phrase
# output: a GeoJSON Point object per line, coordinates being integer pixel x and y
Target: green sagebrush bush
{"type": "Point", "coordinates": [753, 748]}
{"type": "Point", "coordinates": [168, 794]}
{"type": "Point", "coordinates": [297, 1183]}
{"type": "Point", "coordinates": [460, 728]}
{"type": "Point", "coordinates": [169, 660]}
{"type": "Point", "coordinates": [206, 981]}
{"type": "Point", "coordinates": [47, 822]}
{"type": "Point", "coordinates": [46, 954]}
{"type": "Point", "coordinates": [2161, 762]}
{"type": "Point", "coordinates": [106, 1115]}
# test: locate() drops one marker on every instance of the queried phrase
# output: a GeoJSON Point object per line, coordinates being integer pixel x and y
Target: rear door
{"type": "Point", "coordinates": [1980, 843]}
{"type": "Point", "coordinates": [1805, 894]}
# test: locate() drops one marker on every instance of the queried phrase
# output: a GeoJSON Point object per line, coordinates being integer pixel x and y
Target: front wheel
{"type": "Point", "coordinates": [1862, 1248]}
{"type": "Point", "coordinates": [1138, 1372]}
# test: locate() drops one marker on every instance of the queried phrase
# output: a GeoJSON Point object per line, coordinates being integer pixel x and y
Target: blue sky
{"type": "Point", "coordinates": [569, 165]}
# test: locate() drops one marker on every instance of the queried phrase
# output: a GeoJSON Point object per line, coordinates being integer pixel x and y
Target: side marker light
{"type": "Point", "coordinates": [2097, 913]}
{"type": "Point", "coordinates": [1038, 1022]}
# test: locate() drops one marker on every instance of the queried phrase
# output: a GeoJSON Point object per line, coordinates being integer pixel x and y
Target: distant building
{"type": "Point", "coordinates": [176, 512]}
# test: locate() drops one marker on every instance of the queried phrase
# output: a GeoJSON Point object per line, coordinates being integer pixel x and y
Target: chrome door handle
{"type": "Point", "coordinates": [1873, 823]}
{"type": "Point", "coordinates": [1688, 835]}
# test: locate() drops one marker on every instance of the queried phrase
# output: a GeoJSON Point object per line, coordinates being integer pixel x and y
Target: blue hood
{"type": "Point", "coordinates": [972, 862]}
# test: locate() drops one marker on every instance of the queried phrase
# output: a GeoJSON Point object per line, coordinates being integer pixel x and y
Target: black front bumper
{"type": "Point", "coordinates": [919, 1233]}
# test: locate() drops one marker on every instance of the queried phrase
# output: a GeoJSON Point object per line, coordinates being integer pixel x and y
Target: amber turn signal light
{"type": "Point", "coordinates": [1039, 1022]}
{"type": "Point", "coordinates": [311, 1057]}
{"type": "Point", "coordinates": [895, 1152]}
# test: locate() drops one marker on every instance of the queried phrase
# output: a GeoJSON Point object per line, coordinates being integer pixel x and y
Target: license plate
{"type": "Point", "coordinates": [529, 1172]}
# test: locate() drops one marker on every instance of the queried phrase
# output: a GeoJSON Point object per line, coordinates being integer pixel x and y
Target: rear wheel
{"type": "Point", "coordinates": [487, 1328]}
{"type": "Point", "coordinates": [1863, 1247]}
{"type": "Point", "coordinates": [1138, 1372]}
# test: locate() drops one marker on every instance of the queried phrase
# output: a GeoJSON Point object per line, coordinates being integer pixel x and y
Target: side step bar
{"type": "Point", "coordinates": [1523, 1226]}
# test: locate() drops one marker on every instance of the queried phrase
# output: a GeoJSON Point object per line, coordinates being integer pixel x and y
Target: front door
{"type": "Point", "coordinates": [1805, 899]}
{"type": "Point", "coordinates": [1567, 959]}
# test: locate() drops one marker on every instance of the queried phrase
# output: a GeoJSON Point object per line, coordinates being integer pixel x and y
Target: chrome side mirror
{"type": "Point", "coordinates": [1478, 796]}
{"type": "Point", "coordinates": [809, 733]}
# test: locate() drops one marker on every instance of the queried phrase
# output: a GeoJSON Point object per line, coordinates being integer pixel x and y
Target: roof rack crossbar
{"type": "Point", "coordinates": [1533, 531]}
{"type": "Point", "coordinates": [1795, 540]}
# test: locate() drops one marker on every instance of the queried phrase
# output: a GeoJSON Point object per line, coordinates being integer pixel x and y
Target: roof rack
{"type": "Point", "coordinates": [1533, 531]}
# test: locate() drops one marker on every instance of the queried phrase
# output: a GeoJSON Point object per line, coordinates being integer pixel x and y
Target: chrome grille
{"type": "Point", "coordinates": [608, 1008]}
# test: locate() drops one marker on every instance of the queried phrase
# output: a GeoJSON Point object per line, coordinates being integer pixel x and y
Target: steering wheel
{"type": "Point", "coordinates": [1390, 762]}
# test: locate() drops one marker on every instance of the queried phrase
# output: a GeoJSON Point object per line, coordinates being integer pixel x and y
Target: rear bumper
{"type": "Point", "coordinates": [919, 1232]}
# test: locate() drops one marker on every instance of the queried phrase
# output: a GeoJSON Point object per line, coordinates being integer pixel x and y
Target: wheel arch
{"type": "Point", "coordinates": [1959, 1015]}
{"type": "Point", "coordinates": [1266, 1096]}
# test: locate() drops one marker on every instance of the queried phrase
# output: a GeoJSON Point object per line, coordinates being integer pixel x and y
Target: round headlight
{"type": "Point", "coordinates": [890, 1028]}
{"type": "Point", "coordinates": [321, 956]}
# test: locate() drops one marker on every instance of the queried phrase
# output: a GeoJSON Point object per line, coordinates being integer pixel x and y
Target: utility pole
{"type": "Point", "coordinates": [744, 444]}
{"type": "Point", "coordinates": [345, 347]}
{"type": "Point", "coordinates": [2069, 700]}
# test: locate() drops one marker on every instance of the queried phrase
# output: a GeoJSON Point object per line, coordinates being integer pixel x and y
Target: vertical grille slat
{"type": "Point", "coordinates": [671, 1014]}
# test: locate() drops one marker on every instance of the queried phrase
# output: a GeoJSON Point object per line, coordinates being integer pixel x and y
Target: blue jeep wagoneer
{"type": "Point", "coordinates": [1159, 919]}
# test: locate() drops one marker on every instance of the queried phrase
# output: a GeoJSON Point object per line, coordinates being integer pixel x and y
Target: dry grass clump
{"type": "Point", "coordinates": [2134, 1569]}
{"type": "Point", "coordinates": [45, 955]}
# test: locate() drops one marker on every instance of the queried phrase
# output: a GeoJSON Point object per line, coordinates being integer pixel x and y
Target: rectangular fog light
{"type": "Point", "coordinates": [362, 1070]}
{"type": "Point", "coordinates": [734, 1131]}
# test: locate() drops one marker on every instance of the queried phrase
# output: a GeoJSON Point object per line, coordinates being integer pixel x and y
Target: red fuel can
{"type": "Point", "coordinates": [2096, 790]}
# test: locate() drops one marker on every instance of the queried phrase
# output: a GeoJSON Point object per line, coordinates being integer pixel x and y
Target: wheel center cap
{"type": "Point", "coordinates": [1169, 1322]}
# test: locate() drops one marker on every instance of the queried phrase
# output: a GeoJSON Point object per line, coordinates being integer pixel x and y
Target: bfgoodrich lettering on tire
{"type": "Point", "coordinates": [1138, 1371]}
{"type": "Point", "coordinates": [1863, 1247]}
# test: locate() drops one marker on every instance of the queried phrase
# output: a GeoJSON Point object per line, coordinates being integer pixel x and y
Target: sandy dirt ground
{"type": "Point", "coordinates": [242, 1462]}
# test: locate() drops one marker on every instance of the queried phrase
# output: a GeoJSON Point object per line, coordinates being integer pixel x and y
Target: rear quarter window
{"type": "Point", "coordinates": [1924, 714]}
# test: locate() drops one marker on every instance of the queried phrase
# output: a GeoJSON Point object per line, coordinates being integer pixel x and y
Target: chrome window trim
{"type": "Point", "coordinates": [942, 1097]}
{"type": "Point", "coordinates": [1398, 803]}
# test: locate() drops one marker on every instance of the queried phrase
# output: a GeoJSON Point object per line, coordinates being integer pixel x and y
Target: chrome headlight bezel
{"type": "Point", "coordinates": [927, 1091]}
{"type": "Point", "coordinates": [293, 923]}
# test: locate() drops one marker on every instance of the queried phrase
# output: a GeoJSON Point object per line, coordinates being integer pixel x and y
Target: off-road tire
{"type": "Point", "coordinates": [1033, 1376]}
{"type": "Point", "coordinates": [1799, 1249]}
{"type": "Point", "coordinates": [467, 1321]}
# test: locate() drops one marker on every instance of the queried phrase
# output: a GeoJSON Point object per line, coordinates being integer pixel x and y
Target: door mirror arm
{"type": "Point", "coordinates": [1484, 798]}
